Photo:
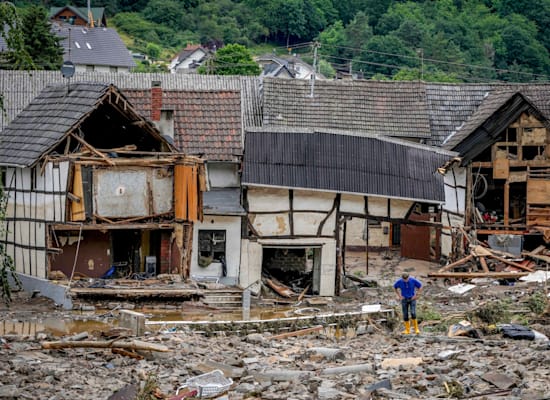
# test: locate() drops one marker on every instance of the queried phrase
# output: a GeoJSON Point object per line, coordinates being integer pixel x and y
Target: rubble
{"type": "Point", "coordinates": [374, 361]}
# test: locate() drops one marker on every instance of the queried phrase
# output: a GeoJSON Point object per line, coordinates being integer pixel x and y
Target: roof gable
{"type": "Point", "coordinates": [332, 162]}
{"type": "Point", "coordinates": [206, 123]}
{"type": "Point", "coordinates": [369, 107]}
{"type": "Point", "coordinates": [97, 112]}
{"type": "Point", "coordinates": [98, 13]}
{"type": "Point", "coordinates": [482, 129]}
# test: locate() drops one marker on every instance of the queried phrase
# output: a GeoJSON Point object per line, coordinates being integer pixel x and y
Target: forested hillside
{"type": "Point", "coordinates": [433, 40]}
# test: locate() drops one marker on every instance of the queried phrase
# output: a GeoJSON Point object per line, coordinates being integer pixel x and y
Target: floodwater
{"type": "Point", "coordinates": [96, 321]}
{"type": "Point", "coordinates": [54, 326]}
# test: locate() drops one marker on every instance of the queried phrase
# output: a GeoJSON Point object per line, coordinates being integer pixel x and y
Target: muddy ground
{"type": "Point", "coordinates": [372, 360]}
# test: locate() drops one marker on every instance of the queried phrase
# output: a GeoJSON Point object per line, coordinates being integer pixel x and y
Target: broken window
{"type": "Point", "coordinates": [211, 246]}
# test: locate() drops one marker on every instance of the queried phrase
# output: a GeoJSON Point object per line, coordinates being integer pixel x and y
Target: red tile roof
{"type": "Point", "coordinates": [205, 122]}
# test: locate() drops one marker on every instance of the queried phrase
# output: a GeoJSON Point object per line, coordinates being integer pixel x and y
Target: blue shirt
{"type": "Point", "coordinates": [408, 287]}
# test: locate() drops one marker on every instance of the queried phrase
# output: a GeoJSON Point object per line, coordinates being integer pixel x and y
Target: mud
{"type": "Point", "coordinates": [376, 361]}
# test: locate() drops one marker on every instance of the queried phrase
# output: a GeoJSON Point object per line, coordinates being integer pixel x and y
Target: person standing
{"type": "Point", "coordinates": [408, 289]}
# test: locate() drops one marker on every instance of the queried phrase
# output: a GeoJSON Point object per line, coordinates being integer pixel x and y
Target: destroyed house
{"type": "Point", "coordinates": [93, 190]}
{"type": "Point", "coordinates": [301, 187]}
{"type": "Point", "coordinates": [207, 124]}
{"type": "Point", "coordinates": [500, 186]}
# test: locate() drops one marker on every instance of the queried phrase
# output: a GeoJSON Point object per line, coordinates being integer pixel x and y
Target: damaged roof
{"type": "Point", "coordinates": [206, 123]}
{"type": "Point", "coordinates": [367, 107]}
{"type": "Point", "coordinates": [336, 162]}
{"type": "Point", "coordinates": [56, 112]}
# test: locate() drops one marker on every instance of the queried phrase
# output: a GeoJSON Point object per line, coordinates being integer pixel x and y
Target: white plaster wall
{"type": "Point", "coordinates": [377, 237]}
{"type": "Point", "coordinates": [267, 199]}
{"type": "Point", "coordinates": [312, 200]}
{"type": "Point", "coordinates": [399, 208]}
{"type": "Point", "coordinates": [308, 223]}
{"type": "Point", "coordinates": [352, 204]}
{"type": "Point", "coordinates": [455, 202]}
{"type": "Point", "coordinates": [32, 210]}
{"type": "Point", "coordinates": [252, 253]}
{"type": "Point", "coordinates": [232, 226]}
{"type": "Point", "coordinates": [271, 224]}
{"type": "Point", "coordinates": [100, 68]}
{"type": "Point", "coordinates": [223, 175]}
{"type": "Point", "coordinates": [251, 263]}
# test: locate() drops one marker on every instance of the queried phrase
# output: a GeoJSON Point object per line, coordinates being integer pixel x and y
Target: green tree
{"type": "Point", "coordinates": [16, 56]}
{"type": "Point", "coordinates": [40, 42]}
{"type": "Point", "coordinates": [233, 59]}
{"type": "Point", "coordinates": [7, 267]}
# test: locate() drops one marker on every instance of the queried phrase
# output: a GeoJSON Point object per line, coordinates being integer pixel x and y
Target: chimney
{"type": "Point", "coordinates": [156, 100]}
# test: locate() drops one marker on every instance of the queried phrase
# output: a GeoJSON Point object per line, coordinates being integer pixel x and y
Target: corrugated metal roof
{"type": "Point", "coordinates": [206, 123]}
{"type": "Point", "coordinates": [369, 107]}
{"type": "Point", "coordinates": [223, 201]}
{"type": "Point", "coordinates": [343, 163]}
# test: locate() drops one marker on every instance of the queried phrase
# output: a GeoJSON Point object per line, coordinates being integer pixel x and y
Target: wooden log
{"type": "Point", "coordinates": [456, 263]}
{"type": "Point", "coordinates": [298, 333]}
{"type": "Point", "coordinates": [131, 345]}
{"type": "Point", "coordinates": [468, 275]}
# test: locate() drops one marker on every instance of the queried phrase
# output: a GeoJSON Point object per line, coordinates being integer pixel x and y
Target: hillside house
{"type": "Point", "coordinates": [94, 49]}
{"type": "Point", "coordinates": [189, 59]}
{"type": "Point", "coordinates": [93, 189]}
{"type": "Point", "coordinates": [80, 16]}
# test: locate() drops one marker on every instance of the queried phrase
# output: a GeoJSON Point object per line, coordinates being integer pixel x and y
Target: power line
{"type": "Point", "coordinates": [430, 60]}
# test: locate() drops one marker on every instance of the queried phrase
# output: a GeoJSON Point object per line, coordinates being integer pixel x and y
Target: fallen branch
{"type": "Point", "coordinates": [129, 345]}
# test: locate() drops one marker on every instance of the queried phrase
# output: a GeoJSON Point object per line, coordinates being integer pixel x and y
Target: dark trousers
{"type": "Point", "coordinates": [407, 304]}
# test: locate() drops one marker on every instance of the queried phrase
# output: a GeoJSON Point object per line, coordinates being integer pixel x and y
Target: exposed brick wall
{"type": "Point", "coordinates": [164, 267]}
{"type": "Point", "coordinates": [156, 101]}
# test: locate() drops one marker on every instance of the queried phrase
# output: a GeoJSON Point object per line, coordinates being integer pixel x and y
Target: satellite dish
{"type": "Point", "coordinates": [67, 69]}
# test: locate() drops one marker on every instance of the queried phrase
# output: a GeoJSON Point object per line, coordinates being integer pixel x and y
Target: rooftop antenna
{"type": "Point", "coordinates": [68, 68]}
{"type": "Point", "coordinates": [90, 16]}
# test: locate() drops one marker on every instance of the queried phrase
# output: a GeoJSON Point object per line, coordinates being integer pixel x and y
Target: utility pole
{"type": "Point", "coordinates": [421, 52]}
{"type": "Point", "coordinates": [315, 46]}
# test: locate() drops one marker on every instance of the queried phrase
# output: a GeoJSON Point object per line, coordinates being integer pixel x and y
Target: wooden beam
{"type": "Point", "coordinates": [467, 275]}
{"type": "Point", "coordinates": [456, 263]}
{"type": "Point", "coordinates": [513, 264]}
{"type": "Point", "coordinates": [483, 264]}
{"type": "Point", "coordinates": [93, 149]}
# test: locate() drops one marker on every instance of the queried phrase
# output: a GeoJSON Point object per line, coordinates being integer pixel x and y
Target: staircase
{"type": "Point", "coordinates": [226, 299]}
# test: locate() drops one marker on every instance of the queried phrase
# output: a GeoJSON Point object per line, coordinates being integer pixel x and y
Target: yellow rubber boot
{"type": "Point", "coordinates": [407, 327]}
{"type": "Point", "coordinates": [415, 324]}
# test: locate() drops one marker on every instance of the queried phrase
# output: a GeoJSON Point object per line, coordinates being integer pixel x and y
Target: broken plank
{"type": "Point", "coordinates": [467, 275]}
{"type": "Point", "coordinates": [483, 263]}
{"type": "Point", "coordinates": [279, 288]}
{"type": "Point", "coordinates": [456, 263]}
{"type": "Point", "coordinates": [513, 264]}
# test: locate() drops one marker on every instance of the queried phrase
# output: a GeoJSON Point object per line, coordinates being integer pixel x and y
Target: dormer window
{"type": "Point", "coordinates": [88, 46]}
{"type": "Point", "coordinates": [77, 45]}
